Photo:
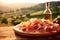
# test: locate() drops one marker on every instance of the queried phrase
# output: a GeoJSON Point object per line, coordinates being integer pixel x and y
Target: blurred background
{"type": "Point", "coordinates": [14, 13]}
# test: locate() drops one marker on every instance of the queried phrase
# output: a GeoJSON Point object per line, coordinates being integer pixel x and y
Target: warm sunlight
{"type": "Point", "coordinates": [20, 1]}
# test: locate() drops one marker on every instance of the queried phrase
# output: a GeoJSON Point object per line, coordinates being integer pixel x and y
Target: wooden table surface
{"type": "Point", "coordinates": [7, 33]}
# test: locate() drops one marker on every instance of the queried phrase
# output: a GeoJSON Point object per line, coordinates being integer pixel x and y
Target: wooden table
{"type": "Point", "coordinates": [7, 33]}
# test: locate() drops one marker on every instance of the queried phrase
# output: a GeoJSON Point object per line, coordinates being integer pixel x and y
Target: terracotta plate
{"type": "Point", "coordinates": [35, 34]}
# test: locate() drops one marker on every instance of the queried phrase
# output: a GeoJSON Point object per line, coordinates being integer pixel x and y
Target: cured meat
{"type": "Point", "coordinates": [38, 25]}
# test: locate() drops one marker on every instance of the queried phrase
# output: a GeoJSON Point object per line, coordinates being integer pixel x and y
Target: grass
{"type": "Point", "coordinates": [36, 13]}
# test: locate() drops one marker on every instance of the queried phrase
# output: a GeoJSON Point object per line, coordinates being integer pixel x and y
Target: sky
{"type": "Point", "coordinates": [13, 4]}
{"type": "Point", "coordinates": [28, 1]}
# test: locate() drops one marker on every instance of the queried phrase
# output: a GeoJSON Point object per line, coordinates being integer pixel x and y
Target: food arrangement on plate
{"type": "Point", "coordinates": [37, 27]}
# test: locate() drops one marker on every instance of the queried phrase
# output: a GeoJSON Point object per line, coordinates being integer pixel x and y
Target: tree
{"type": "Point", "coordinates": [4, 20]}
{"type": "Point", "coordinates": [1, 12]}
